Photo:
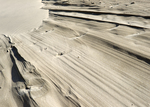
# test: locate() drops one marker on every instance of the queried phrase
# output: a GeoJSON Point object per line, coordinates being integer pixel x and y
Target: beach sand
{"type": "Point", "coordinates": [86, 53]}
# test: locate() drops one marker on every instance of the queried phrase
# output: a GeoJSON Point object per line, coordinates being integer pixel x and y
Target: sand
{"type": "Point", "coordinates": [18, 16]}
{"type": "Point", "coordinates": [86, 53]}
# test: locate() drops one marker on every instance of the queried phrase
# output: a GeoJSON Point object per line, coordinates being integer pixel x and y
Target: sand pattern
{"type": "Point", "coordinates": [88, 53]}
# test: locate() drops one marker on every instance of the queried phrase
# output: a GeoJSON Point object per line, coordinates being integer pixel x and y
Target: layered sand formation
{"type": "Point", "coordinates": [86, 54]}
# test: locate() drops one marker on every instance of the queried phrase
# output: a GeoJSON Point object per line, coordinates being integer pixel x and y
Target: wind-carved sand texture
{"type": "Point", "coordinates": [88, 53]}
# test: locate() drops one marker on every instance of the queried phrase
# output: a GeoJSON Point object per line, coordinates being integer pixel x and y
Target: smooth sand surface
{"type": "Point", "coordinates": [87, 53]}
{"type": "Point", "coordinates": [18, 16]}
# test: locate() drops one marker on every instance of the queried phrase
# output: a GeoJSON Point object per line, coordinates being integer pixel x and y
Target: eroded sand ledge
{"type": "Point", "coordinates": [86, 54]}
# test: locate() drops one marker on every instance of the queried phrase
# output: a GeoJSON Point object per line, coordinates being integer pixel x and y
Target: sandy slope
{"type": "Point", "coordinates": [18, 16]}
{"type": "Point", "coordinates": [86, 54]}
